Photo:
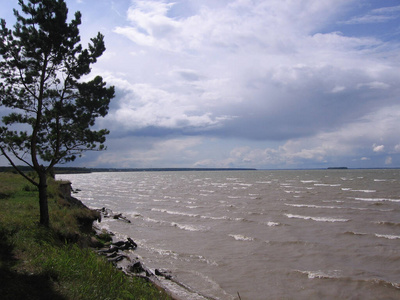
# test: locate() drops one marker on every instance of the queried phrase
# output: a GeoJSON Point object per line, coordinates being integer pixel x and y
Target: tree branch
{"type": "Point", "coordinates": [17, 169]}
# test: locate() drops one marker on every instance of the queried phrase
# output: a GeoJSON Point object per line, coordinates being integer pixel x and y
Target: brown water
{"type": "Point", "coordinates": [309, 234]}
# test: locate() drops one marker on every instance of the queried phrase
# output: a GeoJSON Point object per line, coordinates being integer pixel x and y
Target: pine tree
{"type": "Point", "coordinates": [51, 109]}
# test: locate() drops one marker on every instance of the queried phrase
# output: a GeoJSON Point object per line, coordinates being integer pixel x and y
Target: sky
{"type": "Point", "coordinates": [277, 84]}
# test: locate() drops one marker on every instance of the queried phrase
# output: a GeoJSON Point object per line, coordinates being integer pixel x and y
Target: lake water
{"type": "Point", "coordinates": [304, 234]}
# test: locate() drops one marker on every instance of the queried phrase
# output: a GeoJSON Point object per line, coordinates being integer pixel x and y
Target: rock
{"type": "Point", "coordinates": [127, 245]}
{"type": "Point", "coordinates": [119, 244]}
{"type": "Point", "coordinates": [136, 267]}
{"type": "Point", "coordinates": [164, 273]}
{"type": "Point", "coordinates": [109, 250]}
{"type": "Point", "coordinates": [113, 254]}
{"type": "Point", "coordinates": [122, 218]}
{"type": "Point", "coordinates": [117, 258]}
{"type": "Point", "coordinates": [108, 213]}
{"type": "Point", "coordinates": [131, 244]}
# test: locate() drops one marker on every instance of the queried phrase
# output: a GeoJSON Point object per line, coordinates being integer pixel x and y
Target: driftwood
{"type": "Point", "coordinates": [108, 213]}
{"type": "Point", "coordinates": [112, 252]}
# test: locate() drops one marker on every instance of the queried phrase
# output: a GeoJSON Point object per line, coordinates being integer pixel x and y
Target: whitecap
{"type": "Point", "coordinates": [240, 237]}
{"type": "Point", "coordinates": [159, 200]}
{"type": "Point", "coordinates": [215, 218]}
{"type": "Point", "coordinates": [311, 206]}
{"type": "Point", "coordinates": [188, 227]}
{"type": "Point", "coordinates": [388, 236]}
{"type": "Point", "coordinates": [318, 219]}
{"type": "Point", "coordinates": [272, 224]}
{"type": "Point", "coordinates": [322, 274]}
{"type": "Point", "coordinates": [377, 199]}
{"type": "Point", "coordinates": [174, 212]}
{"type": "Point", "coordinates": [355, 233]}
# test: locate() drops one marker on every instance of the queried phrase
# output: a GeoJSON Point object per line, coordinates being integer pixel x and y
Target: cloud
{"type": "Point", "coordinates": [325, 148]}
{"type": "Point", "coordinates": [378, 148]}
{"type": "Point", "coordinates": [243, 73]}
{"type": "Point", "coordinates": [379, 15]}
{"type": "Point", "coordinates": [126, 152]}
{"type": "Point", "coordinates": [248, 83]}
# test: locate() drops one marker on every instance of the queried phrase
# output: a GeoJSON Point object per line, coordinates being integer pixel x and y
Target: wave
{"type": "Point", "coordinates": [326, 184]}
{"type": "Point", "coordinates": [285, 243]}
{"type": "Point", "coordinates": [387, 223]}
{"type": "Point", "coordinates": [318, 219]}
{"type": "Point", "coordinates": [377, 199]}
{"type": "Point", "coordinates": [134, 214]}
{"type": "Point", "coordinates": [240, 237]}
{"type": "Point", "coordinates": [186, 227]}
{"type": "Point", "coordinates": [327, 207]}
{"type": "Point", "coordinates": [159, 200]}
{"type": "Point", "coordinates": [321, 274]}
{"type": "Point", "coordinates": [189, 227]}
{"type": "Point", "coordinates": [311, 206]}
{"type": "Point", "coordinates": [294, 192]}
{"type": "Point", "coordinates": [180, 256]}
{"type": "Point", "coordinates": [388, 236]}
{"type": "Point", "coordinates": [355, 233]}
{"type": "Point", "coordinates": [345, 178]}
{"type": "Point", "coordinates": [337, 275]}
{"type": "Point", "coordinates": [174, 212]}
{"type": "Point", "coordinates": [223, 218]}
{"type": "Point", "coordinates": [272, 224]}
{"type": "Point", "coordinates": [361, 191]}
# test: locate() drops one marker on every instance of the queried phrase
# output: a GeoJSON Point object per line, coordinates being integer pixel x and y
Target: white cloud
{"type": "Point", "coordinates": [251, 73]}
{"type": "Point", "coordinates": [388, 160]}
{"type": "Point", "coordinates": [378, 148]}
{"type": "Point", "coordinates": [379, 15]}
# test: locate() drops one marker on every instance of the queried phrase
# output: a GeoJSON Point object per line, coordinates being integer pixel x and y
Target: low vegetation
{"type": "Point", "coordinates": [37, 262]}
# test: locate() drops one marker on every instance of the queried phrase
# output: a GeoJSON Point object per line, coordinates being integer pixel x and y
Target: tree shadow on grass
{"type": "Point", "coordinates": [14, 285]}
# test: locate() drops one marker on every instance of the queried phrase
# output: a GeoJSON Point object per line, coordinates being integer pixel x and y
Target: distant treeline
{"type": "Point", "coordinates": [72, 170]}
{"type": "Point", "coordinates": [57, 170]}
{"type": "Point", "coordinates": [92, 170]}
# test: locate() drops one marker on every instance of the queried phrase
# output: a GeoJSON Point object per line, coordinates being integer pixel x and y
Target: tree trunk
{"type": "Point", "coordinates": [44, 209]}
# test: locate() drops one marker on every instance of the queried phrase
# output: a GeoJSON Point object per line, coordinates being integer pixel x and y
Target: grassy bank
{"type": "Point", "coordinates": [54, 263]}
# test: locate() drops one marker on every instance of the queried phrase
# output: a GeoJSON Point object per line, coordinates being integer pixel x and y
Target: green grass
{"type": "Point", "coordinates": [51, 263]}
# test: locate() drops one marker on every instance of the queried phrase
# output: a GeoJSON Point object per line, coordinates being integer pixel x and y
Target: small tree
{"type": "Point", "coordinates": [50, 108]}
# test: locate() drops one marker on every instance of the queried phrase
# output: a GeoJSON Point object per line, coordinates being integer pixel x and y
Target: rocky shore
{"type": "Point", "coordinates": [121, 252]}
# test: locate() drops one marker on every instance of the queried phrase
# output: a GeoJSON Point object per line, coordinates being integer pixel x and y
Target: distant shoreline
{"type": "Point", "coordinates": [96, 170]}
{"type": "Point", "coordinates": [80, 170]}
